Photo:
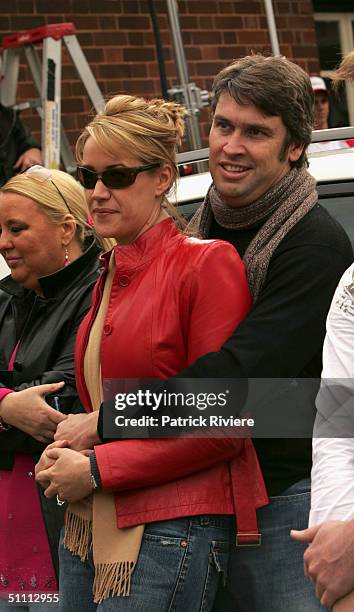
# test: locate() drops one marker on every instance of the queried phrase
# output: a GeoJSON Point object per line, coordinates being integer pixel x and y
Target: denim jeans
{"type": "Point", "coordinates": [180, 566]}
{"type": "Point", "coordinates": [271, 578]}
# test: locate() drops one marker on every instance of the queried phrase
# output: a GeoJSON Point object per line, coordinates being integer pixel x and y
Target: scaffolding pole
{"type": "Point", "coordinates": [272, 27]}
{"type": "Point", "coordinates": [182, 71]}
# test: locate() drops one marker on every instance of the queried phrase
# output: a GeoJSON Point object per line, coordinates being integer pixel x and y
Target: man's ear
{"type": "Point", "coordinates": [165, 178]}
{"type": "Point", "coordinates": [294, 152]}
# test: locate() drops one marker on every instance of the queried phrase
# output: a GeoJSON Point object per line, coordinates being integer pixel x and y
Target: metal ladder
{"type": "Point", "coordinates": [47, 79]}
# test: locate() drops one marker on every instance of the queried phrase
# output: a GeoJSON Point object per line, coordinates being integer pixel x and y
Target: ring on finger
{"type": "Point", "coordinates": [60, 502]}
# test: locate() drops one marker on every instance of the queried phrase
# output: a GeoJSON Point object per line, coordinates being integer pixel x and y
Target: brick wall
{"type": "Point", "coordinates": [118, 41]}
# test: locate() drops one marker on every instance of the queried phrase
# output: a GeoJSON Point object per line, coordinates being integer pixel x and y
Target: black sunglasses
{"type": "Point", "coordinates": [114, 178]}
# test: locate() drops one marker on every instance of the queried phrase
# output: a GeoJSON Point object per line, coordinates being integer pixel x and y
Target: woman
{"type": "Point", "coordinates": [164, 299]}
{"type": "Point", "coordinates": [53, 269]}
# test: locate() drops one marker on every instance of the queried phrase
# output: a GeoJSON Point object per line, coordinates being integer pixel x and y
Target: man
{"type": "Point", "coordinates": [321, 103]}
{"type": "Point", "coordinates": [263, 201]}
{"type": "Point", "coordinates": [322, 110]}
{"type": "Point", "coordinates": [329, 560]}
{"type": "Point", "coordinates": [18, 150]}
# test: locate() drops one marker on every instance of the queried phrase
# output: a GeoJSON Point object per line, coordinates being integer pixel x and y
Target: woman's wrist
{"type": "Point", "coordinates": [4, 425]}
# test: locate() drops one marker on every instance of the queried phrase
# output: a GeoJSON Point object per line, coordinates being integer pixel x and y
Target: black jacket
{"type": "Point", "coordinates": [45, 328]}
{"type": "Point", "coordinates": [15, 139]}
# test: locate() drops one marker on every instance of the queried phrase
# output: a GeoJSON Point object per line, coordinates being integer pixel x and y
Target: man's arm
{"type": "Point", "coordinates": [285, 328]}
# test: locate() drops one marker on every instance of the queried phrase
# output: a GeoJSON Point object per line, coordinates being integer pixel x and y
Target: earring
{"type": "Point", "coordinates": [66, 260]}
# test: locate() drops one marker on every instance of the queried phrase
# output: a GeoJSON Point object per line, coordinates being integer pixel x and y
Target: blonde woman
{"type": "Point", "coordinates": [161, 540]}
{"type": "Point", "coordinates": [53, 266]}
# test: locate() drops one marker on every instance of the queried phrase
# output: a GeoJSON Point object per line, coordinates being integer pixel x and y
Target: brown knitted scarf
{"type": "Point", "coordinates": [280, 209]}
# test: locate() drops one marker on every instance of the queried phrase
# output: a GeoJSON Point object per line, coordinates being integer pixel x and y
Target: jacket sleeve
{"type": "Point", "coordinates": [62, 368]}
{"type": "Point", "coordinates": [218, 300]}
{"type": "Point", "coordinates": [132, 464]}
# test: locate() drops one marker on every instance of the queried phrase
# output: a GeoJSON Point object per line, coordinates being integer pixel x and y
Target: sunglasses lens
{"type": "Point", "coordinates": [118, 178]}
{"type": "Point", "coordinates": [86, 177]}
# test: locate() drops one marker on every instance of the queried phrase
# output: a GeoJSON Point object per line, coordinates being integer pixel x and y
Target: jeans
{"type": "Point", "coordinates": [180, 566]}
{"type": "Point", "coordinates": [271, 578]}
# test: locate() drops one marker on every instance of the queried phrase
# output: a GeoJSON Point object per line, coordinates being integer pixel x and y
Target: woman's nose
{"type": "Point", "coordinates": [5, 241]}
{"type": "Point", "coordinates": [100, 191]}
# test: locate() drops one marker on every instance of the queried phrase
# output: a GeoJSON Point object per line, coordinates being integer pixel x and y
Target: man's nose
{"type": "Point", "coordinates": [234, 144]}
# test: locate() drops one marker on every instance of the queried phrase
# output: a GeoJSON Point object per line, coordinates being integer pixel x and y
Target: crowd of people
{"type": "Point", "coordinates": [242, 292]}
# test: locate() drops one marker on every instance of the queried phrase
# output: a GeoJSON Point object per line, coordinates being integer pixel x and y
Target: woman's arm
{"type": "Point", "coordinates": [31, 417]}
{"type": "Point", "coordinates": [27, 411]}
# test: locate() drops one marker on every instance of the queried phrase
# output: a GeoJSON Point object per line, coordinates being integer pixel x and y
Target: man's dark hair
{"type": "Point", "coordinates": [277, 87]}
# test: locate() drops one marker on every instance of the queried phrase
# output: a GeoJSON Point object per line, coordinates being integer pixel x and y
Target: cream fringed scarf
{"type": "Point", "coordinates": [115, 551]}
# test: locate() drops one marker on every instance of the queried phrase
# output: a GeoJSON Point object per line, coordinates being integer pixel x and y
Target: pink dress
{"type": "Point", "coordinates": [25, 560]}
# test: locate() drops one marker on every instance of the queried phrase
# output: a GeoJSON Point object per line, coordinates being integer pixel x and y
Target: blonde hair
{"type": "Point", "coordinates": [148, 129]}
{"type": "Point", "coordinates": [57, 196]}
{"type": "Point", "coordinates": [345, 69]}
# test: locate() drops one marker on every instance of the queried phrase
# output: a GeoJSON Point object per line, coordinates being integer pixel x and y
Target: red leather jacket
{"type": "Point", "coordinates": [173, 299]}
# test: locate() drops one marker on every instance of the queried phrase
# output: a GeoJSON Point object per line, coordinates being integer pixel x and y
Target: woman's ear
{"type": "Point", "coordinates": [68, 227]}
{"type": "Point", "coordinates": [165, 178]}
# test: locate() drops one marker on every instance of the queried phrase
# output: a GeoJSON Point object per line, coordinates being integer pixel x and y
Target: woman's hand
{"type": "Point", "coordinates": [69, 476]}
{"type": "Point", "coordinates": [346, 604]}
{"type": "Point", "coordinates": [28, 411]}
{"type": "Point", "coordinates": [80, 430]}
{"type": "Point", "coordinates": [44, 462]}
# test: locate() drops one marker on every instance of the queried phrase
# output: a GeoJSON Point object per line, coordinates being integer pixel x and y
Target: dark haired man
{"type": "Point", "coordinates": [264, 202]}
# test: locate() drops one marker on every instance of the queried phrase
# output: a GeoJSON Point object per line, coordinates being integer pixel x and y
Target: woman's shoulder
{"type": "Point", "coordinates": [201, 249]}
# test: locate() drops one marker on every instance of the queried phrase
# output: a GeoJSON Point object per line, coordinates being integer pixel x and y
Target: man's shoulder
{"type": "Point", "coordinates": [318, 228]}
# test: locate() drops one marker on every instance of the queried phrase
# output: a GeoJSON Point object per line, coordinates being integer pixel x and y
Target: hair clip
{"type": "Point", "coordinates": [39, 173]}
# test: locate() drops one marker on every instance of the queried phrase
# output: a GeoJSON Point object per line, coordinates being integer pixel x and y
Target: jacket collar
{"type": "Point", "coordinates": [61, 280]}
{"type": "Point", "coordinates": [146, 247]}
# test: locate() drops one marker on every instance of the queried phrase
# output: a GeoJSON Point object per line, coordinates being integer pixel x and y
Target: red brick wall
{"type": "Point", "coordinates": [118, 41]}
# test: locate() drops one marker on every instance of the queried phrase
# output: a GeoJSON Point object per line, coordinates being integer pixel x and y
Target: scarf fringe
{"type": "Point", "coordinates": [77, 536]}
{"type": "Point", "coordinates": [112, 579]}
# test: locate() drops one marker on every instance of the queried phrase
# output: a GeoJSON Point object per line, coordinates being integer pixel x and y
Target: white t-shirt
{"type": "Point", "coordinates": [332, 495]}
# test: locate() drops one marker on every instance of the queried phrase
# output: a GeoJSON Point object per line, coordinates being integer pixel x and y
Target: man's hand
{"type": "Point", "coordinates": [29, 158]}
{"type": "Point", "coordinates": [69, 476]}
{"type": "Point", "coordinates": [329, 560]}
{"type": "Point", "coordinates": [80, 430]}
{"type": "Point", "coordinates": [28, 411]}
